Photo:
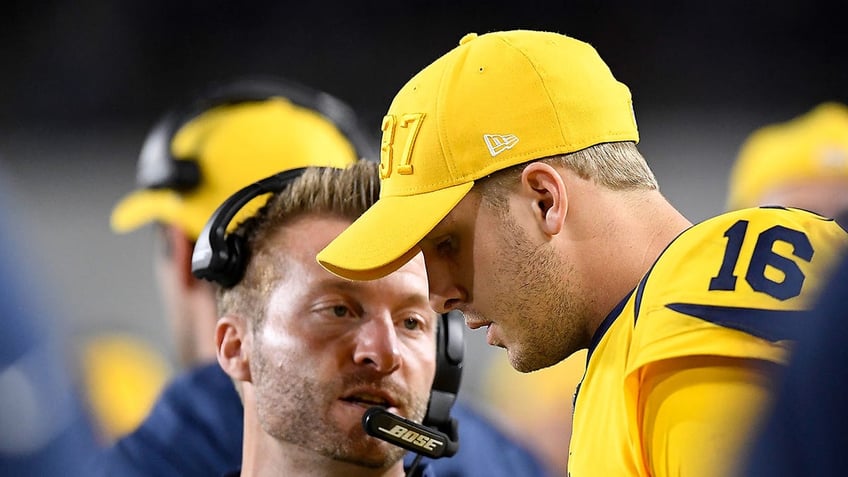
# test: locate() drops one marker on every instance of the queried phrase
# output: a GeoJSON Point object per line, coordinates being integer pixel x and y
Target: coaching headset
{"type": "Point", "coordinates": [221, 258]}
{"type": "Point", "coordinates": [159, 169]}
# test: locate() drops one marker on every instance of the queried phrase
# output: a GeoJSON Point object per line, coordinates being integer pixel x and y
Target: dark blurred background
{"type": "Point", "coordinates": [86, 62]}
{"type": "Point", "coordinates": [82, 82]}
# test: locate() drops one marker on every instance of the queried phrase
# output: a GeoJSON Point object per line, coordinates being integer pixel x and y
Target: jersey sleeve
{"type": "Point", "coordinates": [712, 318]}
{"type": "Point", "coordinates": [687, 424]}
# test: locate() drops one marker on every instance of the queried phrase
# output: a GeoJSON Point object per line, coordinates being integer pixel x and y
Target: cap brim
{"type": "Point", "coordinates": [142, 207]}
{"type": "Point", "coordinates": [386, 236]}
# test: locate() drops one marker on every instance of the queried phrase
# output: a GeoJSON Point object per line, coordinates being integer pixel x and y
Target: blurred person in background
{"type": "Point", "coordinates": [197, 155]}
{"type": "Point", "coordinates": [48, 430]}
{"type": "Point", "coordinates": [799, 163]}
{"type": "Point", "coordinates": [192, 160]}
{"type": "Point", "coordinates": [803, 432]}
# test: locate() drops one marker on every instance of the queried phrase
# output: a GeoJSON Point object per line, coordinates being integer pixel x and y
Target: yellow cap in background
{"type": "Point", "coordinates": [233, 146]}
{"type": "Point", "coordinates": [811, 146]}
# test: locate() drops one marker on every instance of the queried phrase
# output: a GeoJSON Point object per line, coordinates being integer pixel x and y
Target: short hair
{"type": "Point", "coordinates": [345, 193]}
{"type": "Point", "coordinates": [615, 165]}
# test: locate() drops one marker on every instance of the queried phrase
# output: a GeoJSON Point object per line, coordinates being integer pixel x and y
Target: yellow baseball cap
{"type": "Point", "coordinates": [811, 146]}
{"type": "Point", "coordinates": [496, 100]}
{"type": "Point", "coordinates": [231, 146]}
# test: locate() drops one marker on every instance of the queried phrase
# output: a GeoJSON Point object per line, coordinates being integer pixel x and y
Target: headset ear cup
{"type": "Point", "coordinates": [454, 340]}
{"type": "Point", "coordinates": [450, 345]}
{"type": "Point", "coordinates": [236, 258]}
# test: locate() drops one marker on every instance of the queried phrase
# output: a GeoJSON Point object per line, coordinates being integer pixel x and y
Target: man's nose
{"type": "Point", "coordinates": [445, 295]}
{"type": "Point", "coordinates": [377, 345]}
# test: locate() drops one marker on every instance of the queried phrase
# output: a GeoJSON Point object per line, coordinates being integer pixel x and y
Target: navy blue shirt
{"type": "Point", "coordinates": [195, 430]}
{"type": "Point", "coordinates": [805, 432]}
{"type": "Point", "coordinates": [423, 470]}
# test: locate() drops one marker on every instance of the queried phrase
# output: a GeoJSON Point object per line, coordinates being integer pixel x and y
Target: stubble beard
{"type": "Point", "coordinates": [292, 411]}
{"type": "Point", "coordinates": [542, 309]}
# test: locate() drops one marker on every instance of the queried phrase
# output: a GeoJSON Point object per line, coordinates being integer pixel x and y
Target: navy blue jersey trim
{"type": "Point", "coordinates": [596, 338]}
{"type": "Point", "coordinates": [605, 325]}
{"type": "Point", "coordinates": [637, 302]}
{"type": "Point", "coordinates": [640, 288]}
{"type": "Point", "coordinates": [637, 305]}
{"type": "Point", "coordinates": [817, 215]}
{"type": "Point", "coordinates": [772, 325]}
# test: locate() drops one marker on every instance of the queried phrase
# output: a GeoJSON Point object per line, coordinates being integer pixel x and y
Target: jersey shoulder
{"type": "Point", "coordinates": [767, 257]}
{"type": "Point", "coordinates": [735, 284]}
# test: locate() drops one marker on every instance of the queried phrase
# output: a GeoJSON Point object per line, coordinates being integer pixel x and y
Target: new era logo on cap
{"type": "Point", "coordinates": [498, 143]}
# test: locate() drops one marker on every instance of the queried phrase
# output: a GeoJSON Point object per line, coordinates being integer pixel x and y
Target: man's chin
{"type": "Point", "coordinates": [376, 454]}
{"type": "Point", "coordinates": [520, 361]}
{"type": "Point", "coordinates": [354, 446]}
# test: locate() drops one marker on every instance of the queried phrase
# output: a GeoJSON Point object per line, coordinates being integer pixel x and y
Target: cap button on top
{"type": "Point", "coordinates": [468, 37]}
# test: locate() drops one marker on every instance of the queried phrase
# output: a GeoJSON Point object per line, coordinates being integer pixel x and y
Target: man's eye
{"type": "Point", "coordinates": [445, 247]}
{"type": "Point", "coordinates": [340, 311]}
{"type": "Point", "coordinates": [411, 324]}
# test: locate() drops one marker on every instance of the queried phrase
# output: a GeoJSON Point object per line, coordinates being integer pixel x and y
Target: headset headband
{"type": "Point", "coordinates": [222, 258]}
{"type": "Point", "coordinates": [159, 169]}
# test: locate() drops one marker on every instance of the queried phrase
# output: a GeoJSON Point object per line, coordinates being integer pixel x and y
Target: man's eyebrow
{"type": "Point", "coordinates": [342, 285]}
{"type": "Point", "coordinates": [336, 284]}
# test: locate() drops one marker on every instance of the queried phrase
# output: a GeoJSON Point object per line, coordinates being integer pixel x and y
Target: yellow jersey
{"type": "Point", "coordinates": [679, 371]}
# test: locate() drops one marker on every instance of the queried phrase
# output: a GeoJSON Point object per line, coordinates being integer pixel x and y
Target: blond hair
{"type": "Point", "coordinates": [614, 165]}
{"type": "Point", "coordinates": [345, 193]}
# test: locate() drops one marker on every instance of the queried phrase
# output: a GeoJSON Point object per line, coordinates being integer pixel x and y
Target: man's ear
{"type": "Point", "coordinates": [233, 347]}
{"type": "Point", "coordinates": [543, 185]}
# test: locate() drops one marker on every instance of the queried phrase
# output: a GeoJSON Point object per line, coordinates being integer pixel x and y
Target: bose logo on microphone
{"type": "Point", "coordinates": [413, 437]}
